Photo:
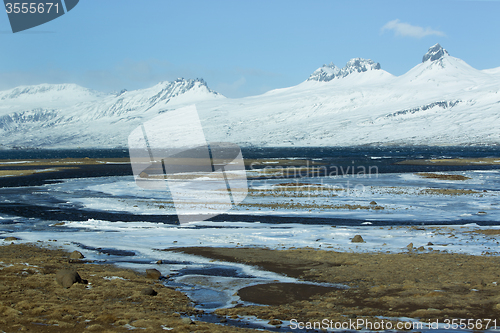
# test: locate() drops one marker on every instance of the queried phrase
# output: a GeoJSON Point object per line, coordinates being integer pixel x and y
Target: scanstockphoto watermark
{"type": "Point", "coordinates": [310, 169]}
{"type": "Point", "coordinates": [170, 153]}
{"type": "Point", "coordinates": [203, 179]}
{"type": "Point", "coordinates": [387, 325]}
{"type": "Point", "coordinates": [356, 324]}
{"type": "Point", "coordinates": [28, 14]}
{"type": "Point", "coordinates": [312, 180]}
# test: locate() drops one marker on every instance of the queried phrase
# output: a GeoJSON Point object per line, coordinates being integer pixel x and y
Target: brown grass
{"type": "Point", "coordinates": [488, 232]}
{"type": "Point", "coordinates": [447, 191]}
{"type": "Point", "coordinates": [31, 300]}
{"type": "Point", "coordinates": [309, 206]}
{"type": "Point", "coordinates": [427, 285]}
{"type": "Point", "coordinates": [441, 176]}
{"type": "Point", "coordinates": [63, 161]}
{"type": "Point", "coordinates": [27, 172]}
{"type": "Point", "coordinates": [455, 161]}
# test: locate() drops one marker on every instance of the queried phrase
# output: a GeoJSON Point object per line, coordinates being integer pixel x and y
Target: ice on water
{"type": "Point", "coordinates": [403, 196]}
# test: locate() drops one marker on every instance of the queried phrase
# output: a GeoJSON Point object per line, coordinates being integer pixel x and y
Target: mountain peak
{"type": "Point", "coordinates": [183, 85]}
{"type": "Point", "coordinates": [360, 65]}
{"type": "Point", "coordinates": [355, 65]}
{"type": "Point", "coordinates": [325, 73]}
{"type": "Point", "coordinates": [435, 52]}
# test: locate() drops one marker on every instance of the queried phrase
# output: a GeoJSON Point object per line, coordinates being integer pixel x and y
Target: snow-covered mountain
{"type": "Point", "coordinates": [68, 115]}
{"type": "Point", "coordinates": [330, 72]}
{"type": "Point", "coordinates": [441, 101]}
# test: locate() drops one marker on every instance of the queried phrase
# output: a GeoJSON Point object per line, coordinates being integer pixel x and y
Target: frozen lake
{"type": "Point", "coordinates": [111, 219]}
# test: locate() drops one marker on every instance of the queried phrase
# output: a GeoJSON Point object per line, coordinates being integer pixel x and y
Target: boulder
{"type": "Point", "coordinates": [153, 273]}
{"type": "Point", "coordinates": [187, 321]}
{"type": "Point", "coordinates": [275, 322]}
{"type": "Point", "coordinates": [76, 255]}
{"type": "Point", "coordinates": [149, 291]}
{"type": "Point", "coordinates": [357, 239]}
{"type": "Point", "coordinates": [67, 278]}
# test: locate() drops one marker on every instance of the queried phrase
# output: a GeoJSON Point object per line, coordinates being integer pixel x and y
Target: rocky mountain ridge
{"type": "Point", "coordinates": [440, 101]}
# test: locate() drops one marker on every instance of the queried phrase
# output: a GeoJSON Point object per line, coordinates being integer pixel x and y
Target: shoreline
{"type": "Point", "coordinates": [412, 284]}
{"type": "Point", "coordinates": [415, 283]}
{"type": "Point", "coordinates": [486, 161]}
{"type": "Point", "coordinates": [28, 174]}
{"type": "Point", "coordinates": [424, 282]}
{"type": "Point", "coordinates": [111, 301]}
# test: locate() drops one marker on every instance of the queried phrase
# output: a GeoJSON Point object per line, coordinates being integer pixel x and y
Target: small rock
{"type": "Point", "coordinates": [275, 322]}
{"type": "Point", "coordinates": [357, 239]}
{"type": "Point", "coordinates": [410, 247]}
{"type": "Point", "coordinates": [149, 291]}
{"type": "Point", "coordinates": [76, 255]}
{"type": "Point", "coordinates": [421, 248]}
{"type": "Point", "coordinates": [58, 224]}
{"type": "Point", "coordinates": [373, 203]}
{"type": "Point", "coordinates": [153, 273]}
{"type": "Point", "coordinates": [10, 239]}
{"type": "Point", "coordinates": [481, 213]}
{"type": "Point", "coordinates": [67, 277]}
{"type": "Point", "coordinates": [430, 244]}
{"type": "Point", "coordinates": [187, 321]}
{"type": "Point", "coordinates": [159, 262]}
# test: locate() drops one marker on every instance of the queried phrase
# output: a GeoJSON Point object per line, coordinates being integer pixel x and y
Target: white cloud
{"type": "Point", "coordinates": [407, 30]}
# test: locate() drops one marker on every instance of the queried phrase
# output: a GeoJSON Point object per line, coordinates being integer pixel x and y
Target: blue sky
{"type": "Point", "coordinates": [240, 48]}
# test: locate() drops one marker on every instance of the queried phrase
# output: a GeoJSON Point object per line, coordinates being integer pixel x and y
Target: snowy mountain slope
{"type": "Point", "coordinates": [80, 117]}
{"type": "Point", "coordinates": [438, 102]}
{"type": "Point", "coordinates": [441, 101]}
